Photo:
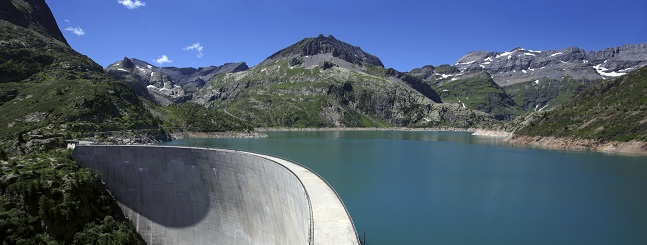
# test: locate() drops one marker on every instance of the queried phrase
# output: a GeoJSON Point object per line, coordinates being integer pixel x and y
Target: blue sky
{"type": "Point", "coordinates": [404, 34]}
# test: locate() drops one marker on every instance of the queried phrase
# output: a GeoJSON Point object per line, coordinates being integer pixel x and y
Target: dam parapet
{"type": "Point", "coordinates": [183, 195]}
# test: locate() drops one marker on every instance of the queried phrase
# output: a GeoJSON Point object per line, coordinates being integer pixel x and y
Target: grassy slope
{"type": "Point", "coordinates": [613, 110]}
{"type": "Point", "coordinates": [481, 93]}
{"type": "Point", "coordinates": [549, 93]}
{"type": "Point", "coordinates": [196, 118]}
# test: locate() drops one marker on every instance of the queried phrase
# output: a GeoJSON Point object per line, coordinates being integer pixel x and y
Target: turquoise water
{"type": "Point", "coordinates": [455, 188]}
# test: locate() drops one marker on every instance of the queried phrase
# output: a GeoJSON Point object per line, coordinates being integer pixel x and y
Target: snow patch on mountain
{"type": "Point", "coordinates": [605, 71]}
{"type": "Point", "coordinates": [555, 54]}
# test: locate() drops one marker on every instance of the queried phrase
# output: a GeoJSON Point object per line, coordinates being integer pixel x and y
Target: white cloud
{"type": "Point", "coordinates": [197, 47]}
{"type": "Point", "coordinates": [163, 60]}
{"type": "Point", "coordinates": [76, 30]}
{"type": "Point", "coordinates": [132, 4]}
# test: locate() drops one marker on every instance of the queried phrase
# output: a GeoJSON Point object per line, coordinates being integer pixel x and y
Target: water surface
{"type": "Point", "coordinates": [404, 187]}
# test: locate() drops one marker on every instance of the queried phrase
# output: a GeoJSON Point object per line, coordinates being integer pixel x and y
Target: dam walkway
{"type": "Point", "coordinates": [332, 223]}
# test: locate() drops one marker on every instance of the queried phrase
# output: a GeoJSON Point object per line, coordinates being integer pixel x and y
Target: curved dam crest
{"type": "Point", "coordinates": [183, 195]}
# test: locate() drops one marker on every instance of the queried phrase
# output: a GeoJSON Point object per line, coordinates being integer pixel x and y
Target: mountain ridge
{"type": "Point", "coordinates": [167, 85]}
{"type": "Point", "coordinates": [520, 65]}
{"type": "Point", "coordinates": [538, 80]}
{"type": "Point", "coordinates": [564, 73]}
{"type": "Point", "coordinates": [301, 86]}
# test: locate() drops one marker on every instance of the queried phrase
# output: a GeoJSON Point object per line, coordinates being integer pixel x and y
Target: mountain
{"type": "Point", "coordinates": [33, 15]}
{"type": "Point", "coordinates": [47, 88]}
{"type": "Point", "coordinates": [313, 51]}
{"type": "Point", "coordinates": [324, 82]}
{"type": "Point", "coordinates": [50, 93]}
{"type": "Point", "coordinates": [522, 65]}
{"type": "Point", "coordinates": [478, 92]}
{"type": "Point", "coordinates": [538, 80]}
{"type": "Point", "coordinates": [612, 110]}
{"type": "Point", "coordinates": [167, 85]}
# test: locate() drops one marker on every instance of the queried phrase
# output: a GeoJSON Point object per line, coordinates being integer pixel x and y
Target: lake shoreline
{"type": "Point", "coordinates": [553, 143]}
{"type": "Point", "coordinates": [566, 143]}
{"type": "Point", "coordinates": [258, 132]}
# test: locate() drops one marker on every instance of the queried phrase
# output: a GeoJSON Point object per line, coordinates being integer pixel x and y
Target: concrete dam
{"type": "Point", "coordinates": [183, 195]}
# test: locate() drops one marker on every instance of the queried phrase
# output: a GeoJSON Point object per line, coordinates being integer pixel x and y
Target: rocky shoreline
{"type": "Point", "coordinates": [631, 147]}
{"type": "Point", "coordinates": [491, 133]}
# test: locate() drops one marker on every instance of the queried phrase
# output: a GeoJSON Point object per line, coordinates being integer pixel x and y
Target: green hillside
{"type": "Point", "coordinates": [546, 93]}
{"type": "Point", "coordinates": [480, 92]}
{"type": "Point", "coordinates": [196, 118]}
{"type": "Point", "coordinates": [610, 110]}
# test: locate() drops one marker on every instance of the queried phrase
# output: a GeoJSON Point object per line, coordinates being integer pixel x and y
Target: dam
{"type": "Point", "coordinates": [185, 195]}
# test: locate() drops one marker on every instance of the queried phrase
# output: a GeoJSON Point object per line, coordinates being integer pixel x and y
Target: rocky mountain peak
{"type": "Point", "coordinates": [32, 14]}
{"type": "Point", "coordinates": [327, 45]}
{"type": "Point", "coordinates": [128, 64]}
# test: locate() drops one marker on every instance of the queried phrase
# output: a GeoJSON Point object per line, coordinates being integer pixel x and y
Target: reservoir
{"type": "Point", "coordinates": [419, 187]}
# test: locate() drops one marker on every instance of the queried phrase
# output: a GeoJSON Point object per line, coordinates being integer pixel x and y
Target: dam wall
{"type": "Point", "coordinates": [181, 195]}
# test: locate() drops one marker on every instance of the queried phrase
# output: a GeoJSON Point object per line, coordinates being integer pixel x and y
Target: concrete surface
{"type": "Point", "coordinates": [181, 195]}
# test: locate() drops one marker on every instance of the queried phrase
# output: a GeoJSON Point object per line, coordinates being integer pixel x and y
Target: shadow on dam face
{"type": "Point", "coordinates": [203, 196]}
{"type": "Point", "coordinates": [156, 183]}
